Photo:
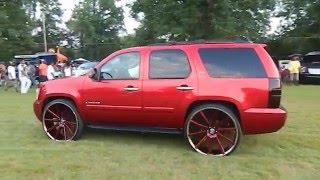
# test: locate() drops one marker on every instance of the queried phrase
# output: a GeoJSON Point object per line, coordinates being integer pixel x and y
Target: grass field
{"type": "Point", "coordinates": [26, 152]}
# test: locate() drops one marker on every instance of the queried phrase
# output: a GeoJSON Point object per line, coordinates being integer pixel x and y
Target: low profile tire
{"type": "Point", "coordinates": [61, 121]}
{"type": "Point", "coordinates": [213, 129]}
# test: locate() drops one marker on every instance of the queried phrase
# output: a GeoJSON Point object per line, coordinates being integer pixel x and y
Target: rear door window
{"type": "Point", "coordinates": [236, 62]}
{"type": "Point", "coordinates": [169, 64]}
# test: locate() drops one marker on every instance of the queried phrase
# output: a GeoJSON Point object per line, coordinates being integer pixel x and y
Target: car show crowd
{"type": "Point", "coordinates": [23, 75]}
{"type": "Point", "coordinates": [26, 71]}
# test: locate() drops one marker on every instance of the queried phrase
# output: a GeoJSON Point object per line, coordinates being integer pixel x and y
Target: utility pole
{"type": "Point", "coordinates": [44, 31]}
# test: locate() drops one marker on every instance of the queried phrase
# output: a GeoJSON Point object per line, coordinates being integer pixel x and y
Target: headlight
{"type": "Point", "coordinates": [304, 69]}
{"type": "Point", "coordinates": [38, 90]}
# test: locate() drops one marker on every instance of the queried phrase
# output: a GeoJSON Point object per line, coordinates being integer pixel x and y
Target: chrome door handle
{"type": "Point", "coordinates": [130, 89]}
{"type": "Point", "coordinates": [184, 88]}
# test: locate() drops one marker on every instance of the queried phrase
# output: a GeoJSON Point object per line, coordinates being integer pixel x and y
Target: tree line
{"type": "Point", "coordinates": [94, 30]}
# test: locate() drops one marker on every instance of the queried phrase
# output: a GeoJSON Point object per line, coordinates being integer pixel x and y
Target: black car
{"type": "Point", "coordinates": [310, 68]}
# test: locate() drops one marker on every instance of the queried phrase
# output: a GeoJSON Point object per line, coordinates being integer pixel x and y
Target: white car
{"type": "Point", "coordinates": [84, 68]}
{"type": "Point", "coordinates": [284, 64]}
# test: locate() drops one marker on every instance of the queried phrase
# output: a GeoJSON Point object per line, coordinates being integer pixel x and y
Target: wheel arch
{"type": "Point", "coordinates": [233, 106]}
{"type": "Point", "coordinates": [59, 96]}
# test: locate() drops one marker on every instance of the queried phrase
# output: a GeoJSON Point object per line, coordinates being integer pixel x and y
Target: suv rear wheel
{"type": "Point", "coordinates": [213, 129]}
{"type": "Point", "coordinates": [61, 121]}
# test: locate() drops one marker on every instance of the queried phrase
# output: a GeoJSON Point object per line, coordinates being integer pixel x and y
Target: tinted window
{"type": "Point", "coordinates": [124, 66]}
{"type": "Point", "coordinates": [239, 62]}
{"type": "Point", "coordinates": [169, 64]}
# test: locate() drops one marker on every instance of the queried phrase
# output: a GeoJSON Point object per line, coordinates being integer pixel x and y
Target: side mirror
{"type": "Point", "coordinates": [94, 74]}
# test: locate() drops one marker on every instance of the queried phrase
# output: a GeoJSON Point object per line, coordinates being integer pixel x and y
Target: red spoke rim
{"type": "Point", "coordinates": [53, 113]}
{"type": "Point", "coordinates": [218, 138]}
{"type": "Point", "coordinates": [205, 118]}
{"type": "Point", "coordinates": [69, 129]}
{"type": "Point", "coordinates": [197, 133]}
{"type": "Point", "coordinates": [209, 146]}
{"type": "Point", "coordinates": [53, 119]}
{"type": "Point", "coordinates": [60, 122]}
{"type": "Point", "coordinates": [215, 118]}
{"type": "Point", "coordinates": [221, 148]}
{"type": "Point", "coordinates": [198, 124]}
{"type": "Point", "coordinates": [228, 139]}
{"type": "Point", "coordinates": [64, 132]}
{"type": "Point", "coordinates": [51, 128]}
{"type": "Point", "coordinates": [201, 141]}
{"type": "Point", "coordinates": [226, 129]}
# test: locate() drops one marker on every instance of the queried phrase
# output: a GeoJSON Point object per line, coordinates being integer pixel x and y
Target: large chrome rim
{"type": "Point", "coordinates": [60, 122]}
{"type": "Point", "coordinates": [212, 131]}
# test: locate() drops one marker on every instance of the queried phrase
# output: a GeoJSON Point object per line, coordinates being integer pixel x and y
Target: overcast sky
{"type": "Point", "coordinates": [129, 22]}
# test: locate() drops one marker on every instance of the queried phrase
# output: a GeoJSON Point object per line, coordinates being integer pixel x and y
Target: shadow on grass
{"type": "Point", "coordinates": [125, 137]}
{"type": "Point", "coordinates": [248, 145]}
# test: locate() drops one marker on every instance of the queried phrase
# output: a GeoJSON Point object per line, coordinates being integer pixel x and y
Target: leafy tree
{"type": "Point", "coordinates": [301, 33]}
{"type": "Point", "coordinates": [201, 19]}
{"type": "Point", "coordinates": [96, 24]}
{"type": "Point", "coordinates": [53, 20]}
{"type": "Point", "coordinates": [15, 30]}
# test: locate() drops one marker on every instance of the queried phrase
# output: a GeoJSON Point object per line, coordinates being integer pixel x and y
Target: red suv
{"type": "Point", "coordinates": [212, 92]}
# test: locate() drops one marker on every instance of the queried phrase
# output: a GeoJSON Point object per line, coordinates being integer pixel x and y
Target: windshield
{"type": "Point", "coordinates": [311, 59]}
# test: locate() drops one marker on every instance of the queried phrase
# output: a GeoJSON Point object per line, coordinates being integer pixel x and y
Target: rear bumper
{"type": "Point", "coordinates": [37, 108]}
{"type": "Point", "coordinates": [263, 120]}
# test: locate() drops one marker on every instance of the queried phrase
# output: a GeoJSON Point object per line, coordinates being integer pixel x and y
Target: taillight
{"type": "Point", "coordinates": [274, 92]}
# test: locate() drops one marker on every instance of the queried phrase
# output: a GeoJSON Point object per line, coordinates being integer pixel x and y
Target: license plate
{"type": "Point", "coordinates": [314, 71]}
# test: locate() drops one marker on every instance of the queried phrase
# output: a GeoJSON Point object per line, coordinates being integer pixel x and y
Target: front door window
{"type": "Point", "coordinates": [122, 67]}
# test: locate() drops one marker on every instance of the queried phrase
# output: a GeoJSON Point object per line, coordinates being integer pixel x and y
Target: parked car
{"type": "Point", "coordinates": [212, 92]}
{"type": "Point", "coordinates": [35, 59]}
{"type": "Point", "coordinates": [310, 68]}
{"type": "Point", "coordinates": [77, 62]}
{"type": "Point", "coordinates": [283, 64]}
{"type": "Point", "coordinates": [84, 68]}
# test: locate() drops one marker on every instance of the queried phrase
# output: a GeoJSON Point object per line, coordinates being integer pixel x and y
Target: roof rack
{"type": "Point", "coordinates": [172, 43]}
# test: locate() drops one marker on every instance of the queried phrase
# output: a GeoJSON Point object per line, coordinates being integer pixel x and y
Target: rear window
{"type": "Point", "coordinates": [237, 62]}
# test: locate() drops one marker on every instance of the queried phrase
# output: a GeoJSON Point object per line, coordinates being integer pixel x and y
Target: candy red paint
{"type": "Point", "coordinates": [159, 103]}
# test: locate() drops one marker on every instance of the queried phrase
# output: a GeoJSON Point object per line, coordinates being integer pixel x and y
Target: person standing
{"type": "Point", "coordinates": [31, 72]}
{"type": "Point", "coordinates": [23, 77]}
{"type": "Point", "coordinates": [3, 71]}
{"type": "Point", "coordinates": [67, 69]}
{"type": "Point", "coordinates": [294, 68]}
{"type": "Point", "coordinates": [43, 71]}
{"type": "Point", "coordinates": [12, 77]}
{"type": "Point", "coordinates": [51, 71]}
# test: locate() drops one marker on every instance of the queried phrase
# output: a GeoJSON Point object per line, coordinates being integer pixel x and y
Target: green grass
{"type": "Point", "coordinates": [26, 152]}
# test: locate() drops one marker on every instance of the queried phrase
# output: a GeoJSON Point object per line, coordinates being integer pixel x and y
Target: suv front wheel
{"type": "Point", "coordinates": [61, 121]}
{"type": "Point", "coordinates": [213, 129]}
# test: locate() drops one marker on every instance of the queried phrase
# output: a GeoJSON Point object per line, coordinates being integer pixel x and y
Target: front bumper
{"type": "Point", "coordinates": [305, 77]}
{"type": "Point", "coordinates": [263, 120]}
{"type": "Point", "coordinates": [37, 108]}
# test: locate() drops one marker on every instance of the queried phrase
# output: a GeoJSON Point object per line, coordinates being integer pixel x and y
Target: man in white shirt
{"type": "Point", "coordinates": [12, 78]}
{"type": "Point", "coordinates": [50, 72]}
{"type": "Point", "coordinates": [67, 70]}
{"type": "Point", "coordinates": [23, 77]}
{"type": "Point", "coordinates": [3, 71]}
{"type": "Point", "coordinates": [11, 72]}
